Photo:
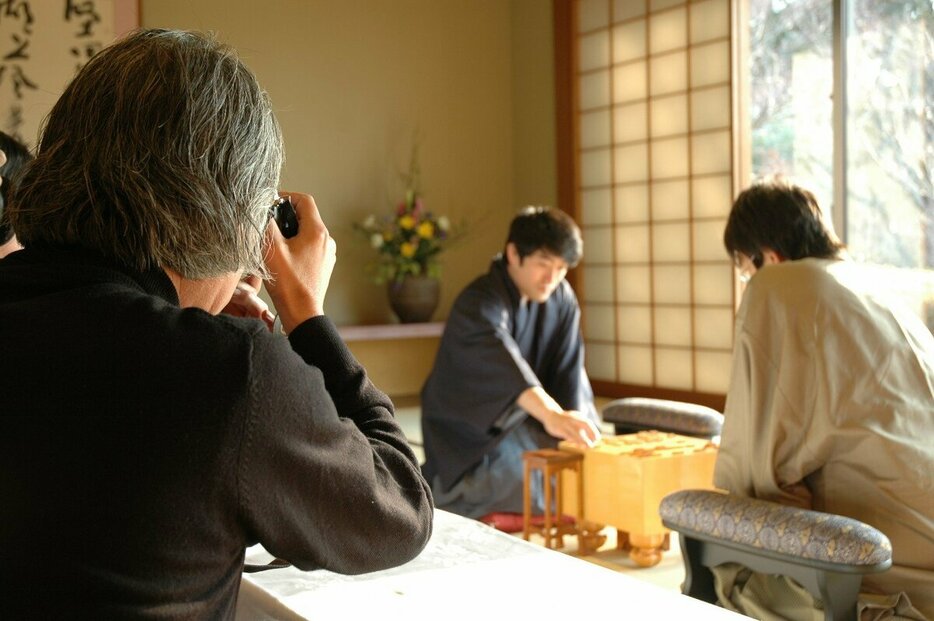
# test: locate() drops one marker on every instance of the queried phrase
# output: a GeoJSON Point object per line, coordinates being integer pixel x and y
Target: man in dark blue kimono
{"type": "Point", "coordinates": [509, 375]}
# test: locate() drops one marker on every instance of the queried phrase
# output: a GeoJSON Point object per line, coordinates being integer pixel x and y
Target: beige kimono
{"type": "Point", "coordinates": [831, 407]}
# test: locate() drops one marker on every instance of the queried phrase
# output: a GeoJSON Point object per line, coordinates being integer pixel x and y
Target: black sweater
{"type": "Point", "coordinates": [144, 446]}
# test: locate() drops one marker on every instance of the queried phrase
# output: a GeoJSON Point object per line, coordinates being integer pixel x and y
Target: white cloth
{"type": "Point", "coordinates": [467, 571]}
{"type": "Point", "coordinates": [831, 407]}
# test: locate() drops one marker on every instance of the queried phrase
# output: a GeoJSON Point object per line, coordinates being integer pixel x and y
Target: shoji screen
{"type": "Point", "coordinates": [649, 94]}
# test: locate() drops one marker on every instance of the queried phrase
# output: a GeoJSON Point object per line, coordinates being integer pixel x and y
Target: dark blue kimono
{"type": "Point", "coordinates": [492, 350]}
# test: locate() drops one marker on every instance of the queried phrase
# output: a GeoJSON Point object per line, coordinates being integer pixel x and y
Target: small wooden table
{"type": "Point", "coordinates": [625, 478]}
{"type": "Point", "coordinates": [552, 465]}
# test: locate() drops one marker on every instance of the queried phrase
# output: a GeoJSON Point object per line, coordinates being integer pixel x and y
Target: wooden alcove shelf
{"type": "Point", "coordinates": [391, 331]}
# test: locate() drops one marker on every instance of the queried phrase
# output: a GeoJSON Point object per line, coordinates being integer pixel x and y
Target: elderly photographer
{"type": "Point", "coordinates": [147, 439]}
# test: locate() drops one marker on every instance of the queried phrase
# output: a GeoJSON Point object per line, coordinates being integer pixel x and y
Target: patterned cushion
{"type": "Point", "coordinates": [672, 416]}
{"type": "Point", "coordinates": [768, 526]}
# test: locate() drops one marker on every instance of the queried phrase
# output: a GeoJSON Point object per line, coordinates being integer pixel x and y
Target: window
{"type": "Point", "coordinates": [667, 108]}
{"type": "Point", "coordinates": [650, 179]}
{"type": "Point", "coordinates": [839, 97]}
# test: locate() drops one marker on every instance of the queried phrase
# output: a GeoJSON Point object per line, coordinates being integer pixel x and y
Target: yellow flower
{"type": "Point", "coordinates": [406, 222]}
{"type": "Point", "coordinates": [425, 230]}
{"type": "Point", "coordinates": [407, 250]}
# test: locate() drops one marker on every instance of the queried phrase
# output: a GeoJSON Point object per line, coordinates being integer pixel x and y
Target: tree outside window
{"type": "Point", "coordinates": [888, 208]}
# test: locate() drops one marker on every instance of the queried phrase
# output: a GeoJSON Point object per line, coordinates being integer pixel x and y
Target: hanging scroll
{"type": "Point", "coordinates": [42, 45]}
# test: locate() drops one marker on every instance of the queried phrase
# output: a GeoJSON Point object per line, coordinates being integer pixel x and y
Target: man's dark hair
{"type": "Point", "coordinates": [782, 217]}
{"type": "Point", "coordinates": [17, 156]}
{"type": "Point", "coordinates": [551, 230]}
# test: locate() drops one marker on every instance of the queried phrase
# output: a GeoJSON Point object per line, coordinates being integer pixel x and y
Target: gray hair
{"type": "Point", "coordinates": [162, 152]}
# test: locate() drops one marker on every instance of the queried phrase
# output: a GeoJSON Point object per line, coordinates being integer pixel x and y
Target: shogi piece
{"type": "Point", "coordinates": [625, 478]}
{"type": "Point", "coordinates": [551, 463]}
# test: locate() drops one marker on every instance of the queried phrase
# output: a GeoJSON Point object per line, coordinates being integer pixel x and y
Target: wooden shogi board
{"type": "Point", "coordinates": [625, 478]}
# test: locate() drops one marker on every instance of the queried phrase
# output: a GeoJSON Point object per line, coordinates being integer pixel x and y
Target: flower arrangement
{"type": "Point", "coordinates": [410, 239]}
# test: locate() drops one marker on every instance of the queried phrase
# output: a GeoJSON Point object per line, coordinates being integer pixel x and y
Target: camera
{"type": "Point", "coordinates": [284, 215]}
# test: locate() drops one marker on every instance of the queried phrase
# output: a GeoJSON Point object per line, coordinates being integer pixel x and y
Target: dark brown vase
{"type": "Point", "coordinates": [415, 298]}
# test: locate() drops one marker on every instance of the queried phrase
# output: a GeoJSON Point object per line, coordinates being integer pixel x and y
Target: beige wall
{"type": "Point", "coordinates": [535, 163]}
{"type": "Point", "coordinates": [352, 80]}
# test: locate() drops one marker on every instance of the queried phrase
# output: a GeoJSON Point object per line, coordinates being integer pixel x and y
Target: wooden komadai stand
{"type": "Point", "coordinates": [553, 465]}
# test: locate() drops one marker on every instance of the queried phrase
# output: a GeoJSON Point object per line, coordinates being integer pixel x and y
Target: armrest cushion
{"type": "Point", "coordinates": [674, 416]}
{"type": "Point", "coordinates": [777, 531]}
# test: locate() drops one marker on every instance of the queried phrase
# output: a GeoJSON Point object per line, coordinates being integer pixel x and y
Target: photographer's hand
{"type": "Point", "coordinates": [245, 301]}
{"type": "Point", "coordinates": [300, 267]}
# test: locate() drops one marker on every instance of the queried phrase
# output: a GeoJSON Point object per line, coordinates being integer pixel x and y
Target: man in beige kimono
{"type": "Point", "coordinates": [831, 399]}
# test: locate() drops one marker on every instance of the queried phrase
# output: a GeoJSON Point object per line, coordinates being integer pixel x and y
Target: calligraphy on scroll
{"type": "Point", "coordinates": [42, 44]}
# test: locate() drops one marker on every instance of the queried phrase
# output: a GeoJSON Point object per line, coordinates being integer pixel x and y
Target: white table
{"type": "Point", "coordinates": [468, 570]}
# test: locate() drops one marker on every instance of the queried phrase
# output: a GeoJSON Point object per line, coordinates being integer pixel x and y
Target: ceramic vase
{"type": "Point", "coordinates": [414, 298]}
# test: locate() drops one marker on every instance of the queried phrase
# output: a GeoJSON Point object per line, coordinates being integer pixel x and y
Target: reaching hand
{"type": "Point", "coordinates": [572, 426]}
{"type": "Point", "coordinates": [568, 425]}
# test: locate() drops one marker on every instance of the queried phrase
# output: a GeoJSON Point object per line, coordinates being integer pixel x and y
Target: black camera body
{"type": "Point", "coordinates": [284, 215]}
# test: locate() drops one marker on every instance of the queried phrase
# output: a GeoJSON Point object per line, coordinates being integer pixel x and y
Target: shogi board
{"type": "Point", "coordinates": [625, 477]}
